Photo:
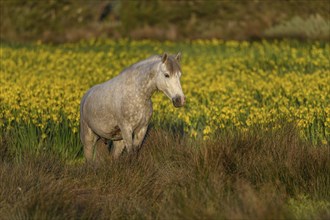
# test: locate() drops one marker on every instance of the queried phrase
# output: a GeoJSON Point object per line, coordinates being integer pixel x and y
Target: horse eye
{"type": "Point", "coordinates": [167, 76]}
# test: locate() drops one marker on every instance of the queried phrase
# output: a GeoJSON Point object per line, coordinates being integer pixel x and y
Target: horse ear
{"type": "Point", "coordinates": [164, 57]}
{"type": "Point", "coordinates": [178, 57]}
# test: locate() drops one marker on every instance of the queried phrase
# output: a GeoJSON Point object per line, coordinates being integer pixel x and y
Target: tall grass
{"type": "Point", "coordinates": [255, 175]}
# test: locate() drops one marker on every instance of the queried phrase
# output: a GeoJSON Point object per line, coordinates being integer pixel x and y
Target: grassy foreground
{"type": "Point", "coordinates": [236, 176]}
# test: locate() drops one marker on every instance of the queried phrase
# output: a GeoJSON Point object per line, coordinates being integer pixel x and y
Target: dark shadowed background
{"type": "Point", "coordinates": [73, 20]}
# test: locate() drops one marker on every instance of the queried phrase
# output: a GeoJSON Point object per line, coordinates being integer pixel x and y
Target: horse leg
{"type": "Point", "coordinates": [102, 150]}
{"type": "Point", "coordinates": [139, 137]}
{"type": "Point", "coordinates": [118, 147]}
{"type": "Point", "coordinates": [127, 134]}
{"type": "Point", "coordinates": [88, 139]}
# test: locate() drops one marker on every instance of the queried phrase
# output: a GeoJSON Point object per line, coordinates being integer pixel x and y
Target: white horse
{"type": "Point", "coordinates": [120, 109]}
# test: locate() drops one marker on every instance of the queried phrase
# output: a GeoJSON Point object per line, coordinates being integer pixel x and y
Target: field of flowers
{"type": "Point", "coordinates": [229, 85]}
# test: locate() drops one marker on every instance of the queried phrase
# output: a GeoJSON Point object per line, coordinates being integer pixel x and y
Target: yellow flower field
{"type": "Point", "coordinates": [228, 85]}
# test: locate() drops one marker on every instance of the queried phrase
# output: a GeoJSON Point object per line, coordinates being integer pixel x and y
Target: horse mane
{"type": "Point", "coordinates": [141, 63]}
{"type": "Point", "coordinates": [148, 60]}
{"type": "Point", "coordinates": [171, 64]}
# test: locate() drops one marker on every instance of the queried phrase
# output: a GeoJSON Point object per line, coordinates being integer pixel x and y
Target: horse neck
{"type": "Point", "coordinates": [146, 80]}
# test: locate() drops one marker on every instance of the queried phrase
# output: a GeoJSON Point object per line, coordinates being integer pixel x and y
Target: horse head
{"type": "Point", "coordinates": [168, 78]}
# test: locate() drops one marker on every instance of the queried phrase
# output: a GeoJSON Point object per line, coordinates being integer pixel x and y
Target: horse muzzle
{"type": "Point", "coordinates": [178, 101]}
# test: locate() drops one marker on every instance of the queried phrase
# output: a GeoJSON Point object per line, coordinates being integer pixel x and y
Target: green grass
{"type": "Point", "coordinates": [27, 138]}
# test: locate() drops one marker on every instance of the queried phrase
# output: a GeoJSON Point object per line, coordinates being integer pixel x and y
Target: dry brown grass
{"type": "Point", "coordinates": [237, 176]}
